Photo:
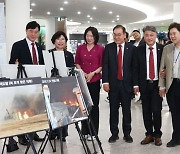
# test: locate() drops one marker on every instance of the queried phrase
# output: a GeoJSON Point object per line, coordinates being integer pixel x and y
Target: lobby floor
{"type": "Point", "coordinates": [74, 146]}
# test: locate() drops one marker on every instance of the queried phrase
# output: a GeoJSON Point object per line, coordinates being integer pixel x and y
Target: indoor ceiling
{"type": "Point", "coordinates": [106, 14]}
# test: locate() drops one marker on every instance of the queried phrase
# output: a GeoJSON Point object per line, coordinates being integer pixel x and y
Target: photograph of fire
{"type": "Point", "coordinates": [64, 101]}
{"type": "Point", "coordinates": [23, 109]}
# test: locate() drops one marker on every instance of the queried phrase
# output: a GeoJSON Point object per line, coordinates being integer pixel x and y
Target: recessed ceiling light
{"type": "Point", "coordinates": [113, 21]}
{"type": "Point", "coordinates": [91, 18]}
{"type": "Point", "coordinates": [110, 12]}
{"type": "Point", "coordinates": [48, 13]}
{"type": "Point", "coordinates": [61, 8]}
{"type": "Point", "coordinates": [88, 21]}
{"type": "Point", "coordinates": [71, 20]}
{"type": "Point", "coordinates": [78, 12]}
{"type": "Point", "coordinates": [33, 4]}
{"type": "Point", "coordinates": [88, 16]}
{"type": "Point", "coordinates": [66, 2]}
{"type": "Point", "coordinates": [94, 8]}
{"type": "Point", "coordinates": [99, 23]}
{"type": "Point", "coordinates": [117, 19]}
{"type": "Point", "coordinates": [30, 10]}
{"type": "Point", "coordinates": [117, 16]}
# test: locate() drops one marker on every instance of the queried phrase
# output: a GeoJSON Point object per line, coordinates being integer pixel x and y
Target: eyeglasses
{"type": "Point", "coordinates": [117, 35]}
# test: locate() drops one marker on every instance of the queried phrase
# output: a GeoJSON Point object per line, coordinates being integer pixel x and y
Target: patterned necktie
{"type": "Point", "coordinates": [34, 56]}
{"type": "Point", "coordinates": [119, 74]}
{"type": "Point", "coordinates": [151, 64]}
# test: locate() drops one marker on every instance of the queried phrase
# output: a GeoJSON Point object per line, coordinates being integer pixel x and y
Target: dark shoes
{"type": "Point", "coordinates": [148, 139]}
{"type": "Point", "coordinates": [173, 143]}
{"type": "Point", "coordinates": [128, 139]}
{"type": "Point", "coordinates": [12, 146]}
{"type": "Point", "coordinates": [158, 141]}
{"type": "Point", "coordinates": [23, 141]}
{"type": "Point", "coordinates": [37, 138]}
{"type": "Point", "coordinates": [113, 139]}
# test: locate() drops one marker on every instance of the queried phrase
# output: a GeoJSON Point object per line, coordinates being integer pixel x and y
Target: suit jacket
{"type": "Point", "coordinates": [69, 59]}
{"type": "Point", "coordinates": [20, 51]}
{"type": "Point", "coordinates": [110, 66]}
{"type": "Point", "coordinates": [140, 66]}
{"type": "Point", "coordinates": [167, 63]}
{"type": "Point", "coordinates": [140, 43]}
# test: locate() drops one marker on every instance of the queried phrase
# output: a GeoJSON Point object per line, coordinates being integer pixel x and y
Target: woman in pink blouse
{"type": "Point", "coordinates": [89, 59]}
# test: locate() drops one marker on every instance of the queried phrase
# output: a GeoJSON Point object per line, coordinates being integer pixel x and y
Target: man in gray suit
{"type": "Point", "coordinates": [170, 84]}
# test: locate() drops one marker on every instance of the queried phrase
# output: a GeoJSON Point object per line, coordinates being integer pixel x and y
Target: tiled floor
{"type": "Point", "coordinates": [73, 144]}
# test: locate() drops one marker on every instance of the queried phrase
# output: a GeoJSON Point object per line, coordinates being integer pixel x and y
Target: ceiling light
{"type": "Point", "coordinates": [117, 19]}
{"type": "Point", "coordinates": [78, 12]}
{"type": "Point", "coordinates": [71, 20]}
{"type": "Point", "coordinates": [30, 10]}
{"type": "Point", "coordinates": [48, 13]}
{"type": "Point", "coordinates": [61, 9]}
{"type": "Point", "coordinates": [117, 16]}
{"type": "Point", "coordinates": [33, 4]}
{"type": "Point", "coordinates": [88, 21]}
{"type": "Point", "coordinates": [65, 2]}
{"type": "Point", "coordinates": [88, 16]}
{"type": "Point", "coordinates": [113, 21]}
{"type": "Point", "coordinates": [91, 18]}
{"type": "Point", "coordinates": [99, 23]}
{"type": "Point", "coordinates": [94, 8]}
{"type": "Point", "coordinates": [110, 12]}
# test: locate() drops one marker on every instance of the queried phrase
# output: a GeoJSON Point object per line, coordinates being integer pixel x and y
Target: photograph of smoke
{"type": "Point", "coordinates": [64, 101]}
{"type": "Point", "coordinates": [22, 106]}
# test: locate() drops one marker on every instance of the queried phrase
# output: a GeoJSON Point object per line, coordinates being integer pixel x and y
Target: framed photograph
{"type": "Point", "coordinates": [23, 108]}
{"type": "Point", "coordinates": [64, 101]}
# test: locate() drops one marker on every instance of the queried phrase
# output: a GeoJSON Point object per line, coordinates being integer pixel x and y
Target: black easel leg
{"type": "Point", "coordinates": [61, 142]}
{"type": "Point", "coordinates": [90, 132]}
{"type": "Point", "coordinates": [95, 133]}
{"type": "Point", "coordinates": [4, 145]}
{"type": "Point", "coordinates": [30, 137]}
{"type": "Point", "coordinates": [44, 143]}
{"type": "Point", "coordinates": [83, 140]}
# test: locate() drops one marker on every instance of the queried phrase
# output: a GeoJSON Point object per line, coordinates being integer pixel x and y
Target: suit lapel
{"type": "Point", "coordinates": [144, 60]}
{"type": "Point", "coordinates": [26, 48]}
{"type": "Point", "coordinates": [114, 51]}
{"type": "Point", "coordinates": [158, 56]}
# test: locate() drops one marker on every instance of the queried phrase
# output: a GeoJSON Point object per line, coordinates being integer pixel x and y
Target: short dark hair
{"type": "Point", "coordinates": [149, 28]}
{"type": "Point", "coordinates": [136, 31]}
{"type": "Point", "coordinates": [57, 35]}
{"type": "Point", "coordinates": [174, 25]}
{"type": "Point", "coordinates": [33, 25]}
{"type": "Point", "coordinates": [95, 33]}
{"type": "Point", "coordinates": [120, 26]}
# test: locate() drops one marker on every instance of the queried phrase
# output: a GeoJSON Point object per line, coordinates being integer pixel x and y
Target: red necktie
{"type": "Point", "coordinates": [151, 64]}
{"type": "Point", "coordinates": [119, 74]}
{"type": "Point", "coordinates": [34, 56]}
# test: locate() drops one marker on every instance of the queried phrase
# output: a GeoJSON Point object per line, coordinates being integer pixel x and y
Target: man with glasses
{"type": "Point", "coordinates": [117, 81]}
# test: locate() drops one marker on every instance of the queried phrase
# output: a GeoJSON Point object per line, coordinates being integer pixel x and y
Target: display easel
{"type": "Point", "coordinates": [21, 73]}
{"type": "Point", "coordinates": [55, 73]}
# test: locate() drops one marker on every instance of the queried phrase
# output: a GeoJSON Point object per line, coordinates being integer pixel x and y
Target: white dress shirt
{"type": "Point", "coordinates": [30, 49]}
{"type": "Point", "coordinates": [176, 63]}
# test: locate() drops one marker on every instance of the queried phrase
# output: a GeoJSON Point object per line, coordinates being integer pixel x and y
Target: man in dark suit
{"type": "Point", "coordinates": [117, 81]}
{"type": "Point", "coordinates": [145, 77]}
{"type": "Point", "coordinates": [22, 50]}
{"type": "Point", "coordinates": [27, 51]}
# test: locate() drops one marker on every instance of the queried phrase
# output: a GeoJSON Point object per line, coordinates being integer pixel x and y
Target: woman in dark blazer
{"type": "Point", "coordinates": [59, 39]}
